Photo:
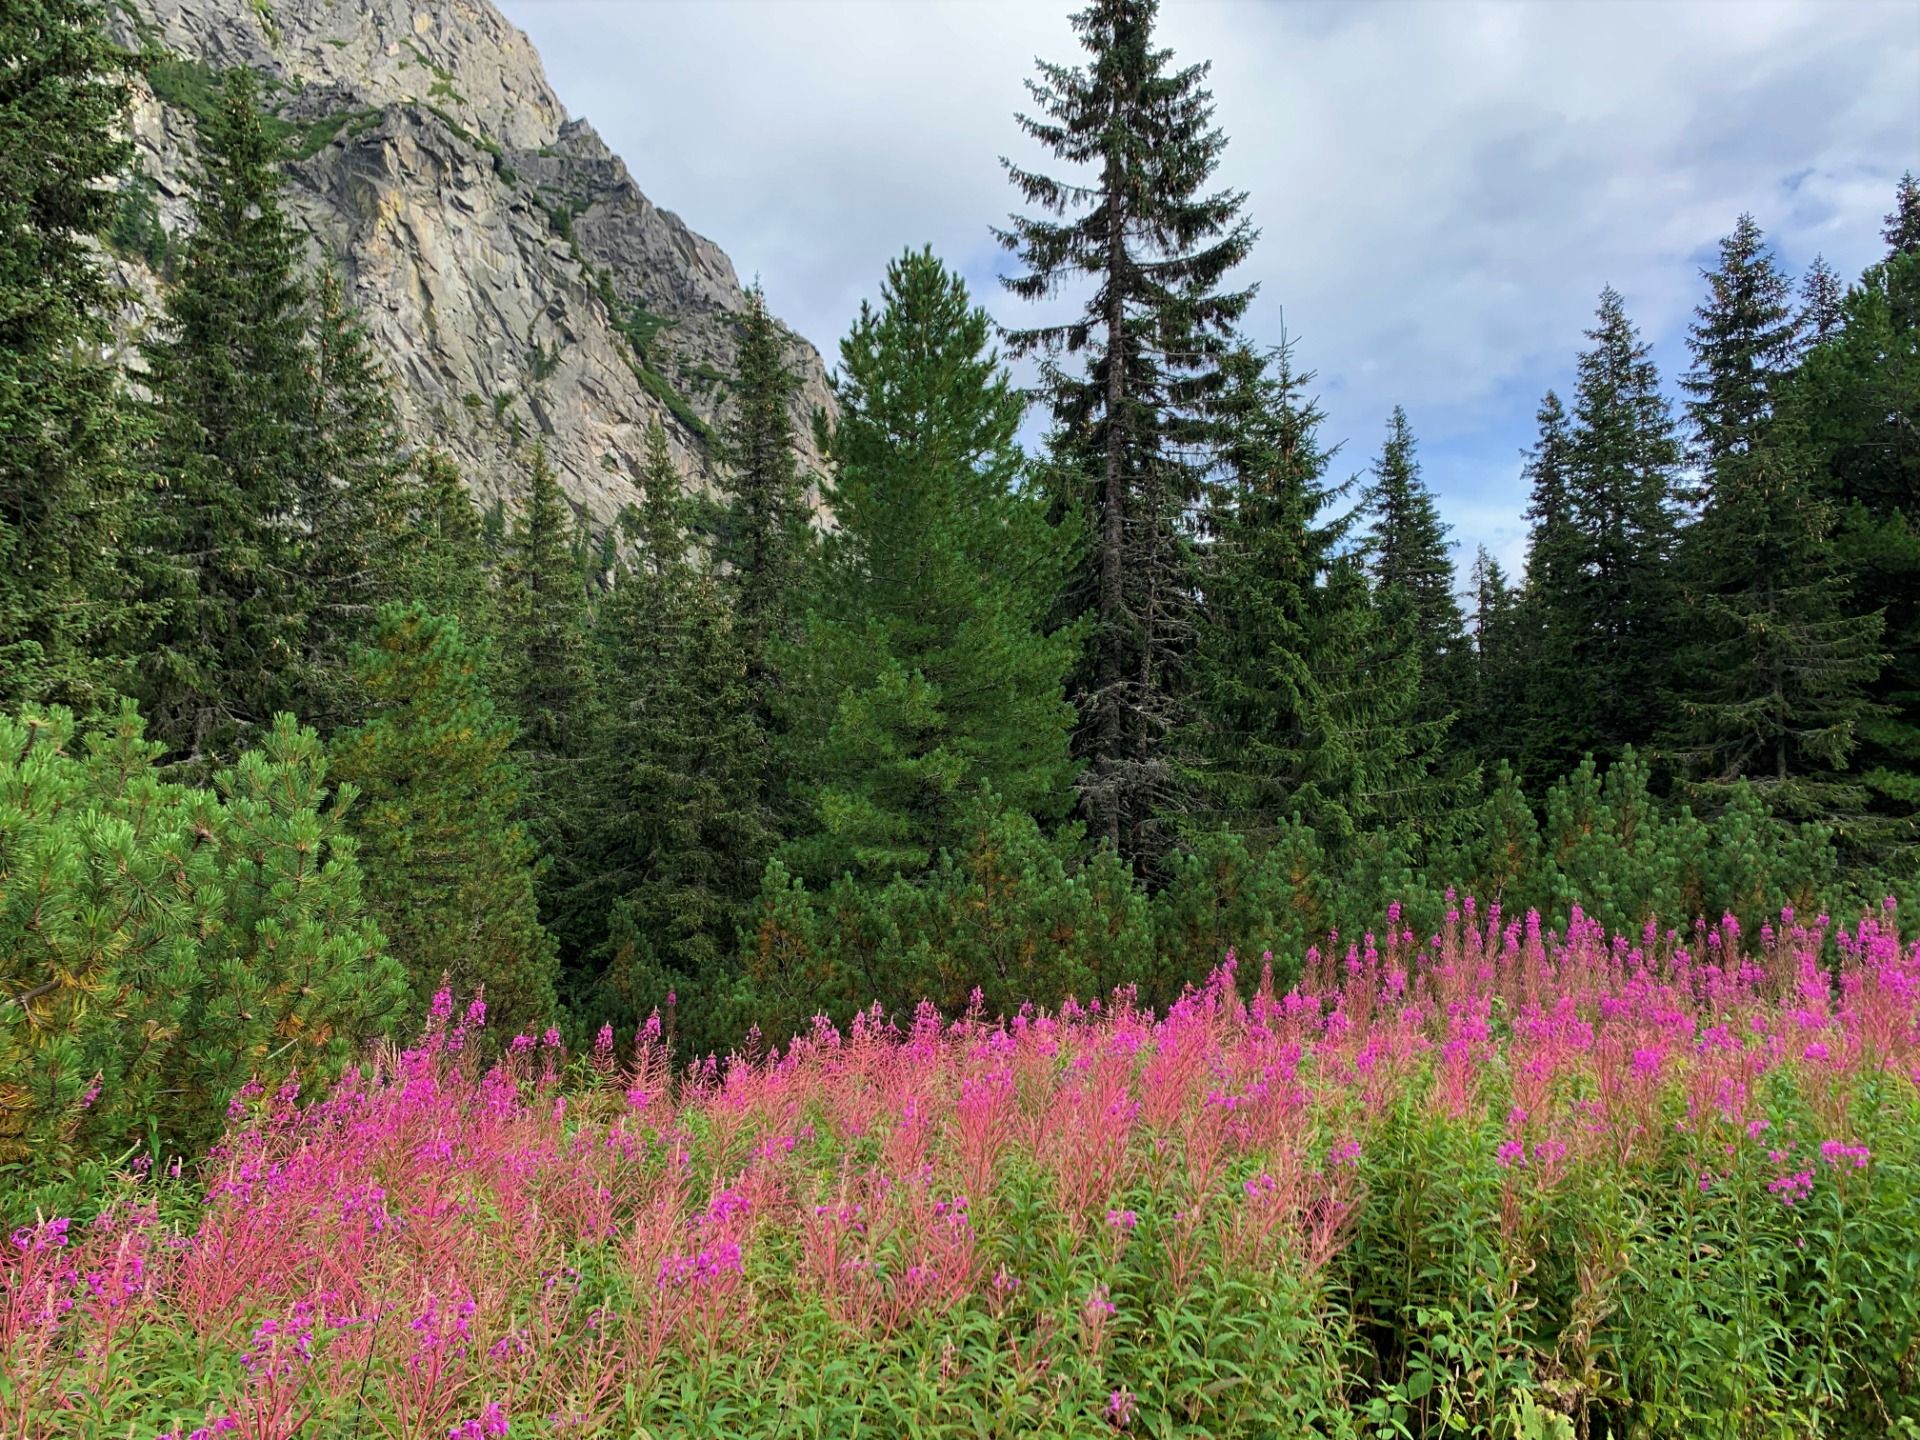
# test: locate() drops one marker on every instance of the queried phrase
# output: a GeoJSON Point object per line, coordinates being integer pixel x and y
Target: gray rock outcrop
{"type": "Point", "coordinates": [520, 283]}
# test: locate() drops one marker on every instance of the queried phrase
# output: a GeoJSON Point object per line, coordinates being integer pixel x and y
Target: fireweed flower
{"type": "Point", "coordinates": [1120, 1408]}
{"type": "Point", "coordinates": [1837, 1153]}
{"type": "Point", "coordinates": [1511, 1153]}
{"type": "Point", "coordinates": [490, 1424]}
{"type": "Point", "coordinates": [1122, 1219]}
{"type": "Point", "coordinates": [1792, 1188]}
{"type": "Point", "coordinates": [49, 1235]}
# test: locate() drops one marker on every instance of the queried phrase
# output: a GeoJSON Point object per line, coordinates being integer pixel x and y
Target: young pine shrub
{"type": "Point", "coordinates": [161, 946]}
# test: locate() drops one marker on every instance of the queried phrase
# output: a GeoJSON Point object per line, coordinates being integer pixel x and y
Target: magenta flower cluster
{"type": "Point", "coordinates": [467, 1229]}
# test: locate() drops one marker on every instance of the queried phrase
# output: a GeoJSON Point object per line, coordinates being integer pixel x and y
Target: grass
{"type": "Point", "coordinates": [195, 87]}
{"type": "Point", "coordinates": [641, 328]}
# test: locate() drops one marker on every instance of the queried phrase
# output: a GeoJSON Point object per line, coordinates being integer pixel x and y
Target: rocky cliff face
{"type": "Point", "coordinates": [522, 285]}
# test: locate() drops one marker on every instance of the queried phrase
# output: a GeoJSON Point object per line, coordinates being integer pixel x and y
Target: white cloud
{"type": "Point", "coordinates": [1443, 188]}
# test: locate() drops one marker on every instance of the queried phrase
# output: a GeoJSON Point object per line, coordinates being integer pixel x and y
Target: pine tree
{"type": "Point", "coordinates": [231, 373]}
{"type": "Point", "coordinates": [66, 617]}
{"type": "Point", "coordinates": [1776, 671]}
{"type": "Point", "coordinates": [764, 540]}
{"type": "Point", "coordinates": [1743, 340]}
{"type": "Point", "coordinates": [935, 684]}
{"type": "Point", "coordinates": [1821, 296]}
{"type": "Point", "coordinates": [1407, 548]}
{"type": "Point", "coordinates": [672, 826]}
{"type": "Point", "coordinates": [1130, 443]}
{"type": "Point", "coordinates": [162, 945]}
{"type": "Point", "coordinates": [1619, 606]}
{"type": "Point", "coordinates": [1260, 745]}
{"type": "Point", "coordinates": [449, 869]}
{"type": "Point", "coordinates": [1902, 229]}
{"type": "Point", "coordinates": [356, 506]}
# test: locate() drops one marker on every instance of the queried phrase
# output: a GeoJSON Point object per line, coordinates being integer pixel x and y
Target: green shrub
{"type": "Point", "coordinates": [1014, 914]}
{"type": "Point", "coordinates": [161, 946]}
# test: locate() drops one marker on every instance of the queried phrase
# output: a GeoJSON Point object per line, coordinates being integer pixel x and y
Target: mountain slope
{"type": "Point", "coordinates": [520, 283]}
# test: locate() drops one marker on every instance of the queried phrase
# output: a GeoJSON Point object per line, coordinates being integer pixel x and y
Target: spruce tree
{"type": "Point", "coordinates": [1743, 340]}
{"type": "Point", "coordinates": [66, 612]}
{"type": "Point", "coordinates": [1260, 743]}
{"type": "Point", "coordinates": [356, 505]}
{"type": "Point", "coordinates": [1902, 228]}
{"type": "Point", "coordinates": [1547, 618]}
{"type": "Point", "coordinates": [1619, 606]}
{"type": "Point", "coordinates": [1775, 670]}
{"type": "Point", "coordinates": [764, 538]}
{"type": "Point", "coordinates": [1413, 575]}
{"type": "Point", "coordinates": [544, 677]}
{"type": "Point", "coordinates": [450, 567]}
{"type": "Point", "coordinates": [671, 825]}
{"type": "Point", "coordinates": [1132, 424]}
{"type": "Point", "coordinates": [542, 673]}
{"type": "Point", "coordinates": [1821, 296]}
{"type": "Point", "coordinates": [449, 868]}
{"type": "Point", "coordinates": [1858, 397]}
{"type": "Point", "coordinates": [1397, 776]}
{"type": "Point", "coordinates": [1494, 721]}
{"type": "Point", "coordinates": [936, 687]}
{"type": "Point", "coordinates": [232, 378]}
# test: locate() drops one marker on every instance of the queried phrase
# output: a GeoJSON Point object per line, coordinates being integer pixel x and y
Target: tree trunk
{"type": "Point", "coordinates": [1110, 741]}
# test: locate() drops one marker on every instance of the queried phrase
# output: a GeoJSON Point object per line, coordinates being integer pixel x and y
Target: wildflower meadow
{"type": "Point", "coordinates": [1497, 1181]}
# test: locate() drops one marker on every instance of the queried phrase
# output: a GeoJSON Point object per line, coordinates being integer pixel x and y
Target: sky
{"type": "Point", "coordinates": [1442, 187]}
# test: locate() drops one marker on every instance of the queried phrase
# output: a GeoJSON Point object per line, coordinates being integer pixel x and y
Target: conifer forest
{"type": "Point", "coordinates": [1040, 903]}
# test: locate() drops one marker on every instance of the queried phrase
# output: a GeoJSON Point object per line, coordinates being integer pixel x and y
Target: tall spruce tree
{"type": "Point", "coordinates": [763, 542]}
{"type": "Point", "coordinates": [449, 868]}
{"type": "Point", "coordinates": [544, 677]}
{"type": "Point", "coordinates": [356, 503]}
{"type": "Point", "coordinates": [1821, 297]}
{"type": "Point", "coordinates": [1132, 427]}
{"type": "Point", "coordinates": [542, 672]}
{"type": "Point", "coordinates": [1776, 669]}
{"type": "Point", "coordinates": [1858, 397]}
{"type": "Point", "coordinates": [1743, 340]}
{"type": "Point", "coordinates": [1619, 605]}
{"type": "Point", "coordinates": [1494, 720]}
{"type": "Point", "coordinates": [935, 683]}
{"type": "Point", "coordinates": [450, 569]}
{"type": "Point", "coordinates": [672, 828]}
{"type": "Point", "coordinates": [66, 617]}
{"type": "Point", "coordinates": [1413, 575]}
{"type": "Point", "coordinates": [1398, 778]}
{"type": "Point", "coordinates": [1902, 228]}
{"type": "Point", "coordinates": [1260, 745]}
{"type": "Point", "coordinates": [232, 378]}
{"type": "Point", "coordinates": [1547, 619]}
